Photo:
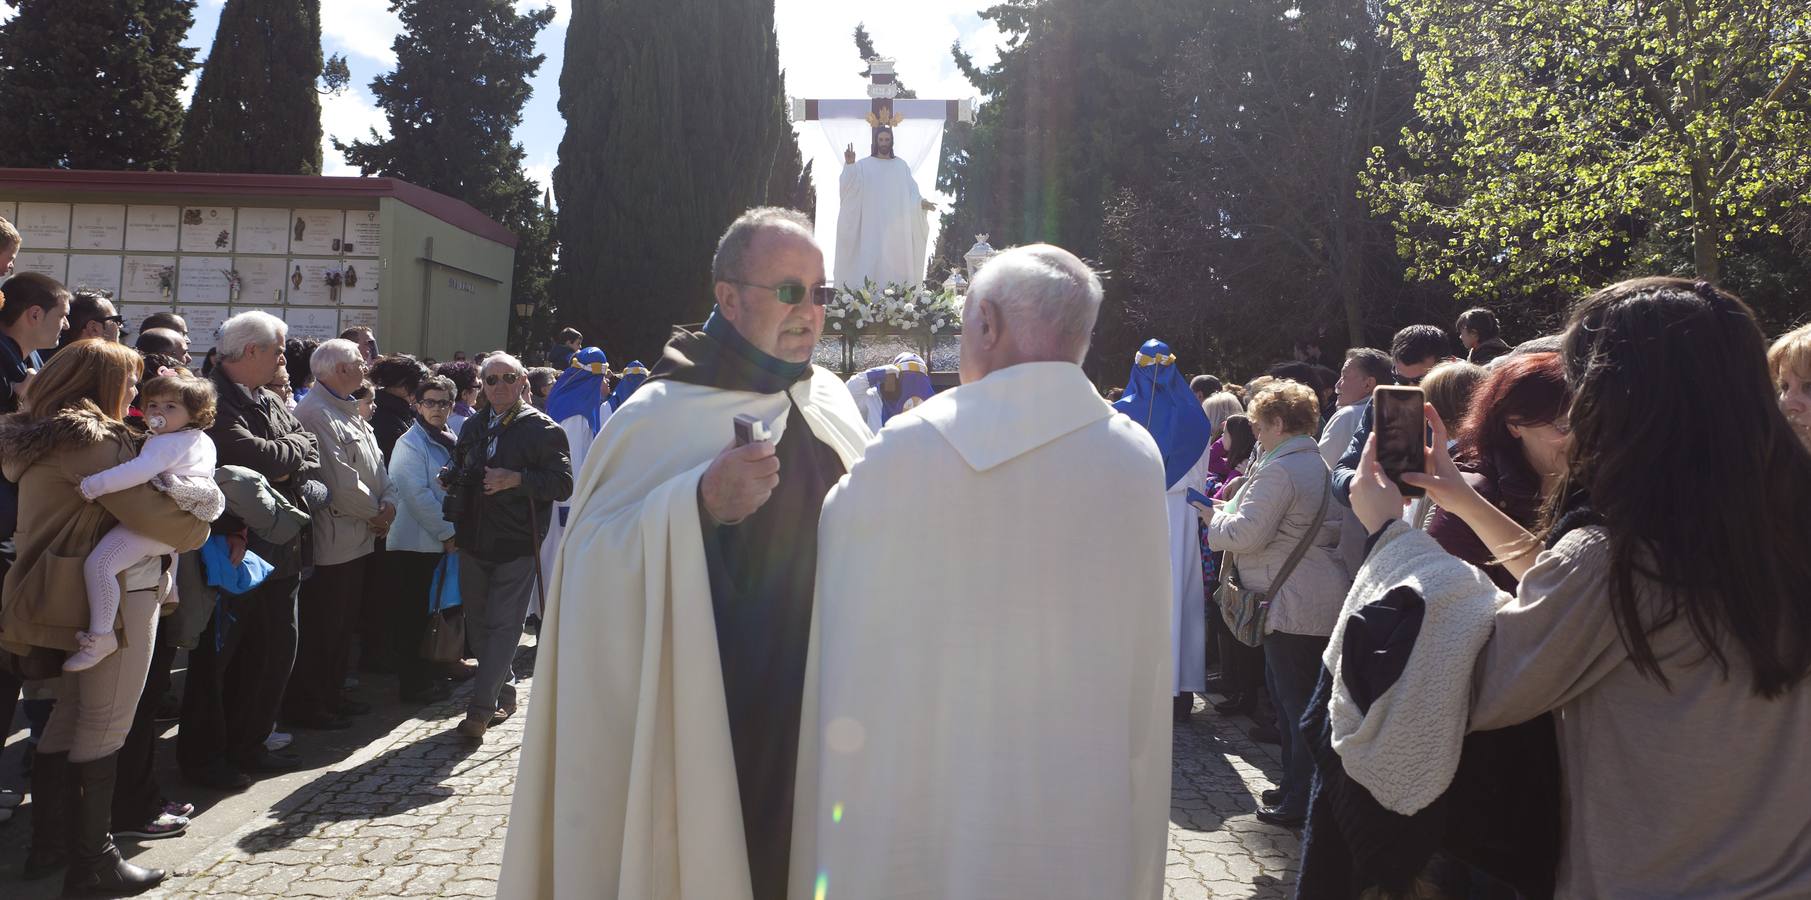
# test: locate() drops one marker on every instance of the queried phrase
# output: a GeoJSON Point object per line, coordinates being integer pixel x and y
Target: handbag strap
{"type": "Point", "coordinates": [439, 582]}
{"type": "Point", "coordinates": [1301, 546]}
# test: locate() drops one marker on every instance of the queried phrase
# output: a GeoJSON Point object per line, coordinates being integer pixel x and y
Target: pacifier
{"type": "Point", "coordinates": [155, 423]}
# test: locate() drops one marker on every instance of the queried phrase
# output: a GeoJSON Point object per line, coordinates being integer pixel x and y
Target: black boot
{"type": "Point", "coordinates": [98, 869]}
{"type": "Point", "coordinates": [1181, 706]}
{"type": "Point", "coordinates": [52, 812]}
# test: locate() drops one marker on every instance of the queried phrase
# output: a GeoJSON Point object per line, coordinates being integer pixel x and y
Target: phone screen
{"type": "Point", "coordinates": [1401, 428]}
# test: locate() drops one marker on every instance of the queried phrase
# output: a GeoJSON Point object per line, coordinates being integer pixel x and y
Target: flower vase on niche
{"type": "Point", "coordinates": [166, 281]}
{"type": "Point", "coordinates": [334, 280]}
{"type": "Point", "coordinates": [233, 284]}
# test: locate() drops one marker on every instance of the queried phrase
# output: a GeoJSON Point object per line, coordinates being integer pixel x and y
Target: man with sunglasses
{"type": "Point", "coordinates": [91, 315]}
{"type": "Point", "coordinates": [674, 650]}
{"type": "Point", "coordinates": [509, 468]}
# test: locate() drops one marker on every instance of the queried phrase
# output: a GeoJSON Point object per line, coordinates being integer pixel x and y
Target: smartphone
{"type": "Point", "coordinates": [1399, 422]}
{"type": "Point", "coordinates": [1195, 496]}
{"type": "Point", "coordinates": [749, 430]}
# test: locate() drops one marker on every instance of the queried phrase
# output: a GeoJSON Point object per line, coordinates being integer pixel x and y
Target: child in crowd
{"type": "Point", "coordinates": [178, 459]}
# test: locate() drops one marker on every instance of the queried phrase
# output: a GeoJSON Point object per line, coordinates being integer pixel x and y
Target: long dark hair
{"type": "Point", "coordinates": [1694, 474]}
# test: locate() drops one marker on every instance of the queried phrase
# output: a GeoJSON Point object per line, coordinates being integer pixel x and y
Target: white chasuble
{"type": "Point", "coordinates": [881, 226]}
{"type": "Point", "coordinates": [626, 786]}
{"type": "Point", "coordinates": [993, 652]}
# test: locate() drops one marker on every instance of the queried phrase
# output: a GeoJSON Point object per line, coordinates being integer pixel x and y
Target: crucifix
{"type": "Point", "coordinates": [883, 106]}
{"type": "Point", "coordinates": [872, 218]}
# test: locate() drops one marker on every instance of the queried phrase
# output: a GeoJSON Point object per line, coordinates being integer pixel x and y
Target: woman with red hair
{"type": "Point", "coordinates": [1512, 448]}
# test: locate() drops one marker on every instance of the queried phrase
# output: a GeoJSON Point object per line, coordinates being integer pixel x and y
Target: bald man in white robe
{"type": "Point", "coordinates": [941, 769]}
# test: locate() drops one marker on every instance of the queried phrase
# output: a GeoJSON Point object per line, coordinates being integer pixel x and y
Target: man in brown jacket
{"type": "Point", "coordinates": [238, 672]}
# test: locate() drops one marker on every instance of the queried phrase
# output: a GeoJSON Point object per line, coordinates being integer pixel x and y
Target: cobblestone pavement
{"type": "Point", "coordinates": [421, 813]}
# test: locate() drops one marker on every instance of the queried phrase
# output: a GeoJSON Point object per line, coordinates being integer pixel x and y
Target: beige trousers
{"type": "Point", "coordinates": [95, 707]}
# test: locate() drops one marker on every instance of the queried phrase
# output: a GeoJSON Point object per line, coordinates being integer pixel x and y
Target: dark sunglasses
{"type": "Point", "coordinates": [117, 320]}
{"type": "Point", "coordinates": [505, 377]}
{"type": "Point", "coordinates": [435, 404]}
{"type": "Point", "coordinates": [793, 293]}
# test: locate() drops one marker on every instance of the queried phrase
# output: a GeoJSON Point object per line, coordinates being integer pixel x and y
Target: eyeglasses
{"type": "Point", "coordinates": [793, 293]}
{"type": "Point", "coordinates": [435, 404]}
{"type": "Point", "coordinates": [505, 377]}
{"type": "Point", "coordinates": [117, 320]}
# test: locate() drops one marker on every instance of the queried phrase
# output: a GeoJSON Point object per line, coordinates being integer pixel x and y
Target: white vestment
{"type": "Point", "coordinates": [881, 228]}
{"type": "Point", "coordinates": [578, 442]}
{"type": "Point", "coordinates": [994, 689]}
{"type": "Point", "coordinates": [626, 786]}
{"type": "Point", "coordinates": [1188, 611]}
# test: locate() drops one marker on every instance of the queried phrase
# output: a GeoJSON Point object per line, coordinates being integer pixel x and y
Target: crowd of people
{"type": "Point", "coordinates": [292, 514]}
{"type": "Point", "coordinates": [1514, 670]}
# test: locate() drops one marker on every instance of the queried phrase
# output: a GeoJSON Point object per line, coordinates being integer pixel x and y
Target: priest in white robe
{"type": "Point", "coordinates": [881, 228]}
{"type": "Point", "coordinates": [993, 717]}
{"type": "Point", "coordinates": [660, 753]}
{"type": "Point", "coordinates": [1159, 398]}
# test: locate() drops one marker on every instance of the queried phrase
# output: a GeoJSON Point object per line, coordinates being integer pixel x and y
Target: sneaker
{"type": "Point", "coordinates": [278, 740]}
{"type": "Point", "coordinates": [185, 810]}
{"type": "Point", "coordinates": [165, 825]}
{"type": "Point", "coordinates": [94, 648]}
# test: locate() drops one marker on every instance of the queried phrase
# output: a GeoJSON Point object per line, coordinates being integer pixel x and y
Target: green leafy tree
{"type": "Point", "coordinates": [675, 124]}
{"type": "Point", "coordinates": [453, 104]}
{"type": "Point", "coordinates": [256, 107]}
{"type": "Point", "coordinates": [94, 84]}
{"type": "Point", "coordinates": [1560, 142]}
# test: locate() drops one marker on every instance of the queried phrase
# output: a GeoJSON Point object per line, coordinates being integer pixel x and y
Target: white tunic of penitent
{"type": "Point", "coordinates": [936, 777]}
{"type": "Point", "coordinates": [578, 439]}
{"type": "Point", "coordinates": [1188, 615]}
{"type": "Point", "coordinates": [881, 228]}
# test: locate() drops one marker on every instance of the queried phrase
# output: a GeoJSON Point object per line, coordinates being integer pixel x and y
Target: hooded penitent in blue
{"type": "Point", "coordinates": [914, 384]}
{"type": "Point", "coordinates": [579, 389]}
{"type": "Point", "coordinates": [632, 378]}
{"type": "Point", "coordinates": [1158, 397]}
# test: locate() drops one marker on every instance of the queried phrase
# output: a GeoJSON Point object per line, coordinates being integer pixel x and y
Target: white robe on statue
{"type": "Point", "coordinates": [881, 226]}
{"type": "Point", "coordinates": [1188, 612]}
{"type": "Point", "coordinates": [994, 690]}
{"type": "Point", "coordinates": [626, 786]}
{"type": "Point", "coordinates": [578, 442]}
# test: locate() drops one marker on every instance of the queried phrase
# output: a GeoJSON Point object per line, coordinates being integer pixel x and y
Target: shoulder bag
{"type": "Point", "coordinates": [1246, 610]}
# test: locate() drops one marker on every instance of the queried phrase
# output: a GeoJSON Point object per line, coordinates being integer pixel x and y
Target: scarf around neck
{"type": "Point", "coordinates": [720, 357]}
{"type": "Point", "coordinates": [442, 435]}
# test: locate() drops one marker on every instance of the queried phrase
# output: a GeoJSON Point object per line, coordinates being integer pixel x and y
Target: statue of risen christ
{"type": "Point", "coordinates": [881, 229]}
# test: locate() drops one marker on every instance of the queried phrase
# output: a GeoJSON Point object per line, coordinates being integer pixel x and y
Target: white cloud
{"type": "Point", "coordinates": [349, 115]}
{"type": "Point", "coordinates": [562, 10]}
{"type": "Point", "coordinates": [360, 28]}
{"type": "Point", "coordinates": [540, 168]}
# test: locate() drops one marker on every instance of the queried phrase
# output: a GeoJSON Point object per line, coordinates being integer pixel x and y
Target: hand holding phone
{"type": "Point", "coordinates": [1399, 421]}
{"type": "Point", "coordinates": [750, 430]}
{"type": "Point", "coordinates": [1197, 497]}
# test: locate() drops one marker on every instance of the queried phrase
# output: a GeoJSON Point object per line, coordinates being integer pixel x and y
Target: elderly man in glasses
{"type": "Point", "coordinates": [674, 650]}
{"type": "Point", "coordinates": [509, 468]}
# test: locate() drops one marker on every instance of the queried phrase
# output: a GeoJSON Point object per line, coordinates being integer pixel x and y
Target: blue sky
{"type": "Point", "coordinates": [815, 50]}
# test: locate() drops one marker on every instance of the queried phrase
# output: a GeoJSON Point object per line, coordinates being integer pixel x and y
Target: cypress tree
{"type": "Point", "coordinates": [256, 108]}
{"type": "Point", "coordinates": [94, 84]}
{"type": "Point", "coordinates": [674, 119]}
{"type": "Point", "coordinates": [453, 104]}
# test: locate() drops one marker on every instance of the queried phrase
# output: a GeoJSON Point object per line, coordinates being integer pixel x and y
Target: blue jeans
{"type": "Point", "coordinates": [1292, 664]}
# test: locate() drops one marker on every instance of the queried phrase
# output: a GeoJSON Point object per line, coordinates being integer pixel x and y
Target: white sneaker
{"type": "Point", "coordinates": [277, 741]}
{"type": "Point", "coordinates": [95, 647]}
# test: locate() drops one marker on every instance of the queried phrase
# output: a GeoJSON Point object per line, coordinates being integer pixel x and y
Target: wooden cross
{"type": "Point", "coordinates": [883, 106]}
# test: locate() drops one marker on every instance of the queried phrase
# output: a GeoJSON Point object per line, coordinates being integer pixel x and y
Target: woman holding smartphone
{"type": "Point", "coordinates": [1670, 630]}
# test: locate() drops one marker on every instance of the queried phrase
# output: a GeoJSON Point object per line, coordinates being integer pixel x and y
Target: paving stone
{"type": "Point", "coordinates": [426, 817]}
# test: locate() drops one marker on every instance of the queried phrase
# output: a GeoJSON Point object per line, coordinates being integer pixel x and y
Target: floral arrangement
{"type": "Point", "coordinates": [234, 282]}
{"type": "Point", "coordinates": [894, 309]}
{"type": "Point", "coordinates": [334, 279]}
{"type": "Point", "coordinates": [166, 279]}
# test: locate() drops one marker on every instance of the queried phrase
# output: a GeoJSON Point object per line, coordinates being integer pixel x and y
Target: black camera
{"type": "Point", "coordinates": [464, 484]}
